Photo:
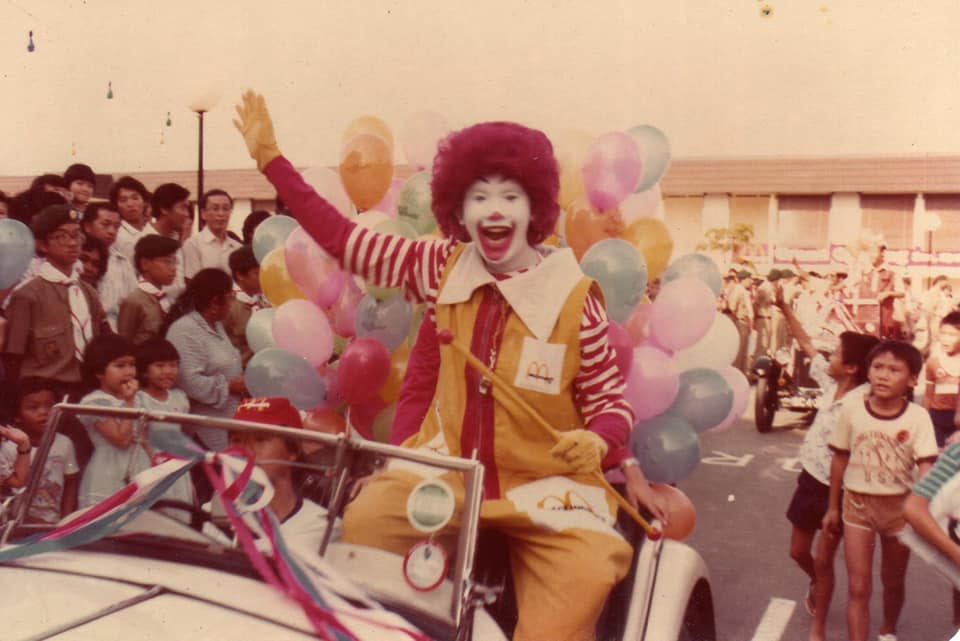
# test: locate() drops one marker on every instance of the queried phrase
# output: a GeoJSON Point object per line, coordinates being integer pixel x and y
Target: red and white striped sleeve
{"type": "Point", "coordinates": [388, 260]}
{"type": "Point", "coordinates": [599, 385]}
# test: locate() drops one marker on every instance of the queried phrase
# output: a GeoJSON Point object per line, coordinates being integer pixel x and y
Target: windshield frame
{"type": "Point", "coordinates": [346, 447]}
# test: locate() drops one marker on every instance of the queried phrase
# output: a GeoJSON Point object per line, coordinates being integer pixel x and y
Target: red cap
{"type": "Point", "coordinates": [272, 411]}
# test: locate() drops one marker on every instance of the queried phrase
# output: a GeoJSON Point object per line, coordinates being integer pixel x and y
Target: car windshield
{"type": "Point", "coordinates": [190, 505]}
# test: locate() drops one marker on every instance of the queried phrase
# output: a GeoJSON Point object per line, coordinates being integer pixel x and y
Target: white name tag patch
{"type": "Point", "coordinates": [541, 364]}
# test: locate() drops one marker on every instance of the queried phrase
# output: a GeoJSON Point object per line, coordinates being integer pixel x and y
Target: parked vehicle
{"type": "Point", "coordinates": [160, 578]}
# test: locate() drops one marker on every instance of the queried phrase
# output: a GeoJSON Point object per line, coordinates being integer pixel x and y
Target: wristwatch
{"type": "Point", "coordinates": [629, 462]}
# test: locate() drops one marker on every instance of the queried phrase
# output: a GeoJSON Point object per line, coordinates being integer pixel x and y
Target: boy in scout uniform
{"type": "Point", "coordinates": [55, 314]}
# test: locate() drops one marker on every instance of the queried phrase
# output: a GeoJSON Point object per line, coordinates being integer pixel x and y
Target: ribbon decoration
{"type": "Point", "coordinates": [337, 609]}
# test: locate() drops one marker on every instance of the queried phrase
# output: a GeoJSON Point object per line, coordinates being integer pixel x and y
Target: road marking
{"type": "Point", "coordinates": [774, 620]}
{"type": "Point", "coordinates": [791, 464]}
{"type": "Point", "coordinates": [722, 458]}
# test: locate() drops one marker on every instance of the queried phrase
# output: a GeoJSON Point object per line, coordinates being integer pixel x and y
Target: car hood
{"type": "Point", "coordinates": [139, 598]}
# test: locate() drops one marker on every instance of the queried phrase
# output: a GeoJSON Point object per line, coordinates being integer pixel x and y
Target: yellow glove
{"type": "Point", "coordinates": [257, 128]}
{"type": "Point", "coordinates": [582, 449]}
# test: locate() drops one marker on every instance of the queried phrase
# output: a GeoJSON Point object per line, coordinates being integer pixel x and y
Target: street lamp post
{"type": "Point", "coordinates": [200, 113]}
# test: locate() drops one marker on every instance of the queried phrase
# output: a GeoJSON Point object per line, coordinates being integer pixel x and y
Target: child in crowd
{"type": "Point", "coordinates": [931, 510]}
{"type": "Point", "coordinates": [14, 456]}
{"type": "Point", "coordinates": [943, 377]}
{"type": "Point", "coordinates": [876, 444]}
{"type": "Point", "coordinates": [843, 373]}
{"type": "Point", "coordinates": [56, 495]}
{"type": "Point", "coordinates": [119, 450]}
{"type": "Point", "coordinates": [248, 298]}
{"type": "Point", "coordinates": [157, 365]}
{"type": "Point", "coordinates": [93, 259]}
{"type": "Point", "coordinates": [143, 311]}
{"type": "Point", "coordinates": [54, 316]}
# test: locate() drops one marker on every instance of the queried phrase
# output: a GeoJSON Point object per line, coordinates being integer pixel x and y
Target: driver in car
{"type": "Point", "coordinates": [528, 312]}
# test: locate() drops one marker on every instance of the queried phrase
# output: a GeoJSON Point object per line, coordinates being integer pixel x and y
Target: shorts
{"type": "Point", "coordinates": [809, 503]}
{"type": "Point", "coordinates": [942, 425]}
{"type": "Point", "coordinates": [880, 514]}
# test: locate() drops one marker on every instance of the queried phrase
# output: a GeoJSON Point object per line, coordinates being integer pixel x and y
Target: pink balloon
{"type": "Point", "coordinates": [389, 203]}
{"type": "Point", "coordinates": [326, 182]}
{"type": "Point", "coordinates": [362, 370]}
{"type": "Point", "coordinates": [315, 272]}
{"type": "Point", "coordinates": [611, 170]}
{"type": "Point", "coordinates": [622, 345]}
{"type": "Point", "coordinates": [301, 327]}
{"type": "Point", "coordinates": [741, 396]}
{"type": "Point", "coordinates": [419, 136]}
{"type": "Point", "coordinates": [638, 325]}
{"type": "Point", "coordinates": [645, 204]}
{"type": "Point", "coordinates": [682, 313]}
{"type": "Point", "coordinates": [343, 314]}
{"type": "Point", "coordinates": [332, 398]}
{"type": "Point", "coordinates": [653, 383]}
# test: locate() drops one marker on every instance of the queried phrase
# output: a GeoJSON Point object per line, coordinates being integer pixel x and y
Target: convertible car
{"type": "Point", "coordinates": [127, 569]}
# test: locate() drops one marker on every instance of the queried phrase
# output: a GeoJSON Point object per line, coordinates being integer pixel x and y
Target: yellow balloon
{"type": "Point", "coordinates": [571, 148]}
{"type": "Point", "coordinates": [390, 391]}
{"type": "Point", "coordinates": [275, 280]}
{"type": "Point", "coordinates": [367, 125]}
{"type": "Point", "coordinates": [366, 169]}
{"type": "Point", "coordinates": [652, 239]}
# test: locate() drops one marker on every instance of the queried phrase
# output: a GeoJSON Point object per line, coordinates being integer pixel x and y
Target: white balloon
{"type": "Point", "coordinates": [715, 350]}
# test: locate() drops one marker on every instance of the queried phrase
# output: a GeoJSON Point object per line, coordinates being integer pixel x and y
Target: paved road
{"type": "Point", "coordinates": [741, 490]}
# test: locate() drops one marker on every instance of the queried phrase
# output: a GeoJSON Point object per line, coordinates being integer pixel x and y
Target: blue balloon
{"type": "Point", "coordinates": [698, 266]}
{"type": "Point", "coordinates": [704, 399]}
{"type": "Point", "coordinates": [16, 250]}
{"type": "Point", "coordinates": [386, 320]}
{"type": "Point", "coordinates": [259, 329]}
{"type": "Point", "coordinates": [272, 233]}
{"type": "Point", "coordinates": [277, 372]}
{"type": "Point", "coordinates": [621, 272]}
{"type": "Point", "coordinates": [666, 446]}
{"type": "Point", "coordinates": [654, 153]}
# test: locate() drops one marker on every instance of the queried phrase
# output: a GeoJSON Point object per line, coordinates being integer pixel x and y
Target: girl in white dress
{"type": "Point", "coordinates": [120, 449]}
{"type": "Point", "coordinates": [158, 363]}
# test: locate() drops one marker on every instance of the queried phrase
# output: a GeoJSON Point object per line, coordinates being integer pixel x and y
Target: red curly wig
{"type": "Point", "coordinates": [503, 149]}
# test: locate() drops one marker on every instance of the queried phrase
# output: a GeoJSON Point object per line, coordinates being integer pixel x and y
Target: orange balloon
{"type": "Point", "coordinates": [275, 280]}
{"type": "Point", "coordinates": [390, 391]}
{"type": "Point", "coordinates": [366, 169]}
{"type": "Point", "coordinates": [652, 239]}
{"type": "Point", "coordinates": [584, 226]}
{"type": "Point", "coordinates": [327, 421]}
{"type": "Point", "coordinates": [367, 125]}
{"type": "Point", "coordinates": [682, 515]}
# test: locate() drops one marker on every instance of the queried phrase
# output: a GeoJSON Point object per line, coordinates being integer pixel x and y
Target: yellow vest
{"type": "Point", "coordinates": [521, 447]}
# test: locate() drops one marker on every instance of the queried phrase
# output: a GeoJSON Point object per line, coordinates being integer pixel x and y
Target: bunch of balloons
{"type": "Point", "coordinates": [609, 188]}
{"type": "Point", "coordinates": [336, 346]}
{"type": "Point", "coordinates": [681, 381]}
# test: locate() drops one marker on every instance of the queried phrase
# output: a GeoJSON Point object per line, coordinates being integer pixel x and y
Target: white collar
{"type": "Point", "coordinates": [537, 295]}
{"type": "Point", "coordinates": [206, 236]}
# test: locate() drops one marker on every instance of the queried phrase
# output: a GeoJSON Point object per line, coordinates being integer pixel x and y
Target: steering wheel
{"type": "Point", "coordinates": [198, 516]}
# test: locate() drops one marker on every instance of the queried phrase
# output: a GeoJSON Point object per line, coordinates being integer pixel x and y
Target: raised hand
{"type": "Point", "coordinates": [255, 125]}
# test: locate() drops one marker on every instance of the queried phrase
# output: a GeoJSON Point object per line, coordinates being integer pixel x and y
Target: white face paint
{"type": "Point", "coordinates": [496, 213]}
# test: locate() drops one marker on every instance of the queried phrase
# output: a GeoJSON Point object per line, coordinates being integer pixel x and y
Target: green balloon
{"type": "Point", "coordinates": [414, 206]}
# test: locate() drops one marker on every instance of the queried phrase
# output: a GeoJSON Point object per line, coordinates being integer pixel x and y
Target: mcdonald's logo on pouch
{"type": "Point", "coordinates": [540, 371]}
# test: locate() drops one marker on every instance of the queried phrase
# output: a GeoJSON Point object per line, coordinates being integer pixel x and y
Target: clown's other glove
{"type": "Point", "coordinates": [581, 449]}
{"type": "Point", "coordinates": [257, 128]}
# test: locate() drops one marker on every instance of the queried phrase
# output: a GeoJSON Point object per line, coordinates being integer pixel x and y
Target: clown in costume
{"type": "Point", "coordinates": [530, 314]}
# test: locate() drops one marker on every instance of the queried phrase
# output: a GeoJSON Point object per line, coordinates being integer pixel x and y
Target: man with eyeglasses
{"type": "Point", "coordinates": [54, 315]}
{"type": "Point", "coordinates": [212, 246]}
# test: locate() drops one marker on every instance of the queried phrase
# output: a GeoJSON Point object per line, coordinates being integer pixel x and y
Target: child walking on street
{"type": "Point", "coordinates": [943, 377]}
{"type": "Point", "coordinates": [844, 372]}
{"type": "Point", "coordinates": [876, 444]}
